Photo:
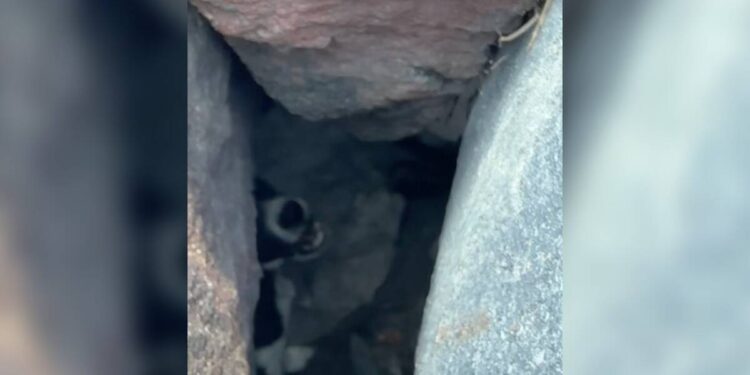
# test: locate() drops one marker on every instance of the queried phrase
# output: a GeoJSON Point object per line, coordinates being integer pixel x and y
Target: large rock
{"type": "Point", "coordinates": [495, 303]}
{"type": "Point", "coordinates": [327, 59]}
{"type": "Point", "coordinates": [223, 272]}
{"type": "Point", "coordinates": [173, 11]}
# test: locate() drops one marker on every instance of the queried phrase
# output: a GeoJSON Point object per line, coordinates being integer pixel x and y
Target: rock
{"type": "Point", "coordinates": [401, 120]}
{"type": "Point", "coordinates": [21, 351]}
{"type": "Point", "coordinates": [65, 258]}
{"type": "Point", "coordinates": [323, 59]}
{"type": "Point", "coordinates": [223, 272]}
{"type": "Point", "coordinates": [495, 304]}
{"type": "Point", "coordinates": [173, 11]}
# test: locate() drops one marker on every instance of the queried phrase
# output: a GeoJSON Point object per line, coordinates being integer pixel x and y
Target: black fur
{"type": "Point", "coordinates": [267, 321]}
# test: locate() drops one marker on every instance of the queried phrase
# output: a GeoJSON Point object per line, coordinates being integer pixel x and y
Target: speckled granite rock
{"type": "Point", "coordinates": [328, 59]}
{"type": "Point", "coordinates": [495, 304]}
{"type": "Point", "coordinates": [223, 272]}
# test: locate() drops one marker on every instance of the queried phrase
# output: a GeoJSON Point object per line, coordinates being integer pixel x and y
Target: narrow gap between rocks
{"type": "Point", "coordinates": [353, 304]}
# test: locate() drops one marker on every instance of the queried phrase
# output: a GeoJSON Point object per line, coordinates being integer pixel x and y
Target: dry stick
{"type": "Point", "coordinates": [496, 64]}
{"type": "Point", "coordinates": [513, 36]}
{"type": "Point", "coordinates": [535, 19]}
{"type": "Point", "coordinates": [545, 10]}
{"type": "Point", "coordinates": [519, 31]}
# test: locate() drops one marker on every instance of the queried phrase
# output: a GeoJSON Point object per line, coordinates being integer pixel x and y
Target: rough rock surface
{"type": "Point", "coordinates": [495, 304]}
{"type": "Point", "coordinates": [326, 59]}
{"type": "Point", "coordinates": [223, 272]}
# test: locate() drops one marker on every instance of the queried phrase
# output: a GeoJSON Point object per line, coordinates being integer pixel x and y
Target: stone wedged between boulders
{"type": "Point", "coordinates": [334, 59]}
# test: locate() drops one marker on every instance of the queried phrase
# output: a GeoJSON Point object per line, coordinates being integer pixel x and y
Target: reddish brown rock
{"type": "Point", "coordinates": [328, 59]}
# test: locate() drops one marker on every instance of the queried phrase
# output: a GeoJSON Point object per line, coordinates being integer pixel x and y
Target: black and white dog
{"type": "Point", "coordinates": [286, 230]}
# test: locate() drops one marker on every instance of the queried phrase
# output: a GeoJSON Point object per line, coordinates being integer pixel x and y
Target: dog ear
{"type": "Point", "coordinates": [263, 191]}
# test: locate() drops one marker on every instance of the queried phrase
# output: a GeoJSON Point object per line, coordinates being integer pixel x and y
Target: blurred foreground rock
{"type": "Point", "coordinates": [324, 59]}
{"type": "Point", "coordinates": [63, 252]}
{"type": "Point", "coordinates": [223, 272]}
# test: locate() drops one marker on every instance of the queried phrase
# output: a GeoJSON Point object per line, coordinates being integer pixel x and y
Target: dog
{"type": "Point", "coordinates": [285, 230]}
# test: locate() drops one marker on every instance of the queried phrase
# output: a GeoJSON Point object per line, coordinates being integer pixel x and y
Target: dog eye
{"type": "Point", "coordinates": [292, 214]}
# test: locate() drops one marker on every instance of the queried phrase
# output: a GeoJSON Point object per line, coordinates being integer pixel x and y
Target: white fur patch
{"type": "Point", "coordinates": [271, 358]}
{"type": "Point", "coordinates": [273, 265]}
{"type": "Point", "coordinates": [296, 358]}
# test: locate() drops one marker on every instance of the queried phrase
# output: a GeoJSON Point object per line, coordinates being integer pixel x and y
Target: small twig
{"type": "Point", "coordinates": [545, 10]}
{"type": "Point", "coordinates": [521, 30]}
{"type": "Point", "coordinates": [494, 65]}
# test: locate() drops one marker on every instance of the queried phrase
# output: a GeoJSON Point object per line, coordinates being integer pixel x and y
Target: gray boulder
{"type": "Point", "coordinates": [223, 272]}
{"type": "Point", "coordinates": [495, 303]}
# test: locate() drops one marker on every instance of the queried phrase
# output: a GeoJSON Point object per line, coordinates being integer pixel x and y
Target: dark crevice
{"type": "Point", "coordinates": [371, 199]}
